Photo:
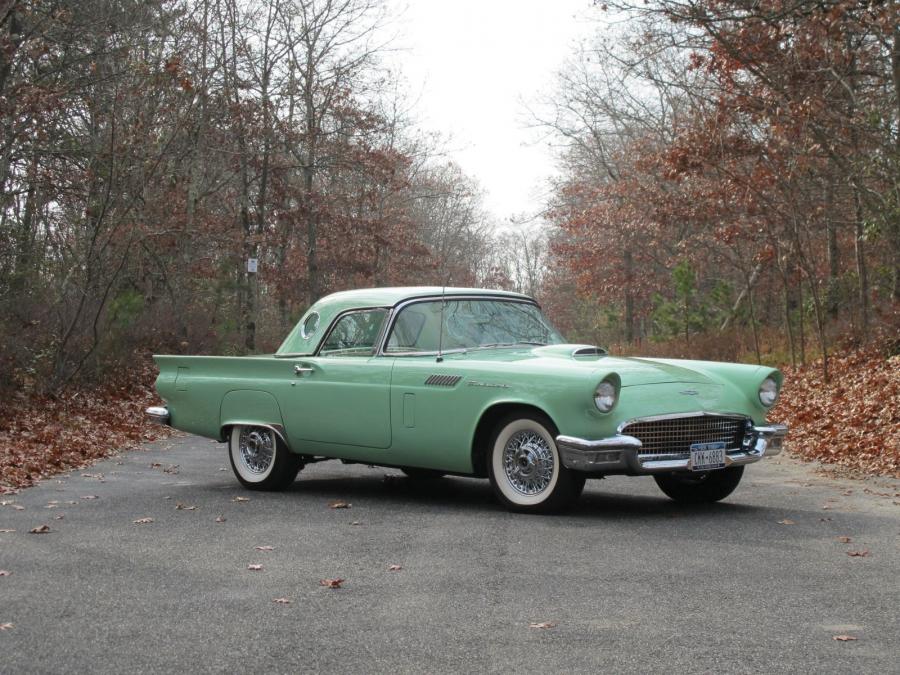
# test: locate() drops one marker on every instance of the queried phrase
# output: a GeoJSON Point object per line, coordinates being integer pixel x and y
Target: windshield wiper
{"type": "Point", "coordinates": [511, 344]}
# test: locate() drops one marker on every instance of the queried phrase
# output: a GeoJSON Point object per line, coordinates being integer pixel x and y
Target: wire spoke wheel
{"type": "Point", "coordinates": [260, 459]}
{"type": "Point", "coordinates": [528, 462]}
{"type": "Point", "coordinates": [524, 465]}
{"type": "Point", "coordinates": [257, 448]}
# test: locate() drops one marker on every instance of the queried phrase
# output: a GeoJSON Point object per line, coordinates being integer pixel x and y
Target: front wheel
{"type": "Point", "coordinates": [700, 488]}
{"type": "Point", "coordinates": [525, 469]}
{"type": "Point", "coordinates": [260, 459]}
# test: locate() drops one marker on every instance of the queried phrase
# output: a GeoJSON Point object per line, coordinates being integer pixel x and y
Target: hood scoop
{"type": "Point", "coordinates": [569, 351]}
{"type": "Point", "coordinates": [589, 351]}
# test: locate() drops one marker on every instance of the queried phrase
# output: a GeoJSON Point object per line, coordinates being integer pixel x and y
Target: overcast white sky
{"type": "Point", "coordinates": [472, 63]}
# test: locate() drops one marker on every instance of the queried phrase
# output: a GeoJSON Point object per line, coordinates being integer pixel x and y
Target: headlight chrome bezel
{"type": "Point", "coordinates": [606, 400]}
{"type": "Point", "coordinates": [768, 392]}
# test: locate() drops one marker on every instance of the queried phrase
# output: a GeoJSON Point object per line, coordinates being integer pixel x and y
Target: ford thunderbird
{"type": "Point", "coordinates": [472, 382]}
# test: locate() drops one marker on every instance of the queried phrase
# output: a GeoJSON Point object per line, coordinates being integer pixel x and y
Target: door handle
{"type": "Point", "coordinates": [299, 370]}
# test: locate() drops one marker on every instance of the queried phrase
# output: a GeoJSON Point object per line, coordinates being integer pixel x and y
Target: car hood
{"type": "Point", "coordinates": [632, 371]}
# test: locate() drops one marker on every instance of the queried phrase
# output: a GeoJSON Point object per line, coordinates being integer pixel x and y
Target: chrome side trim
{"type": "Point", "coordinates": [158, 414]}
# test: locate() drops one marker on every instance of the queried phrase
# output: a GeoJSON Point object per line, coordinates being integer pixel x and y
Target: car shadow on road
{"type": "Point", "coordinates": [468, 494]}
{"type": "Point", "coordinates": [596, 504]}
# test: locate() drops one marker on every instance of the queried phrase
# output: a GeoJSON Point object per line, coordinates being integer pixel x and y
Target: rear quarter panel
{"type": "Point", "coordinates": [203, 392]}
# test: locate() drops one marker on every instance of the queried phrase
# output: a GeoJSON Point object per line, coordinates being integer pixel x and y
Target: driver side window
{"type": "Point", "coordinates": [354, 334]}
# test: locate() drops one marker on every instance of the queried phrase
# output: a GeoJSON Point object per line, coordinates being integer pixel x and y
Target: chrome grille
{"type": "Point", "coordinates": [674, 436]}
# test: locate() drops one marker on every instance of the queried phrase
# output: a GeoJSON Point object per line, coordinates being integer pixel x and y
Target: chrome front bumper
{"type": "Point", "coordinates": [158, 414]}
{"type": "Point", "coordinates": [621, 453]}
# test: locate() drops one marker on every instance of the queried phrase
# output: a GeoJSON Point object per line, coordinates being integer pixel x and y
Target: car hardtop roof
{"type": "Point", "coordinates": [390, 296]}
{"type": "Point", "coordinates": [304, 339]}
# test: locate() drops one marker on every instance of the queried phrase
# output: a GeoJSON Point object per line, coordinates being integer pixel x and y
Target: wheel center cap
{"type": "Point", "coordinates": [253, 443]}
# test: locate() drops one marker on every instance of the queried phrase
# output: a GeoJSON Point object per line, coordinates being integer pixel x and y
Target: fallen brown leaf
{"type": "Point", "coordinates": [221, 519]}
{"type": "Point", "coordinates": [142, 521]}
{"type": "Point", "coordinates": [281, 601]}
{"type": "Point", "coordinates": [394, 568]}
{"type": "Point", "coordinates": [41, 529]}
{"type": "Point", "coordinates": [355, 522]}
{"type": "Point", "coordinates": [786, 521]}
{"type": "Point", "coordinates": [59, 517]}
{"type": "Point", "coordinates": [331, 583]}
{"type": "Point", "coordinates": [90, 497]}
{"type": "Point", "coordinates": [844, 638]}
{"type": "Point", "coordinates": [859, 554]}
{"type": "Point", "coordinates": [184, 507]}
{"type": "Point", "coordinates": [5, 573]}
{"type": "Point", "coordinates": [173, 469]}
{"type": "Point", "coordinates": [338, 504]}
{"type": "Point", "coordinates": [264, 548]}
{"type": "Point", "coordinates": [543, 624]}
{"type": "Point", "coordinates": [254, 567]}
{"type": "Point", "coordinates": [845, 540]}
{"type": "Point", "coordinates": [6, 626]}
{"type": "Point", "coordinates": [18, 507]}
{"type": "Point", "coordinates": [241, 499]}
{"type": "Point", "coordinates": [6, 531]}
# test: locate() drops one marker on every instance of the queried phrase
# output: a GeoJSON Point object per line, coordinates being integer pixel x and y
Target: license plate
{"type": "Point", "coordinates": [706, 456]}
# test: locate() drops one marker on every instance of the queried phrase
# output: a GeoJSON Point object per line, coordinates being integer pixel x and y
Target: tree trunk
{"type": "Point", "coordinates": [629, 298]}
{"type": "Point", "coordinates": [832, 299]}
{"type": "Point", "coordinates": [861, 271]}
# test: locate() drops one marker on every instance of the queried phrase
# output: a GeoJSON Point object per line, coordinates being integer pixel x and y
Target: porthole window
{"type": "Point", "coordinates": [310, 324]}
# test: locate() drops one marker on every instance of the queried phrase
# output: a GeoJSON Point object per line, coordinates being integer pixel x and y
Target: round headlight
{"type": "Point", "coordinates": [768, 392]}
{"type": "Point", "coordinates": [605, 396]}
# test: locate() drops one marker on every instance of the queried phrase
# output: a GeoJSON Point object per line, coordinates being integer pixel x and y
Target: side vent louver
{"type": "Point", "coordinates": [443, 380]}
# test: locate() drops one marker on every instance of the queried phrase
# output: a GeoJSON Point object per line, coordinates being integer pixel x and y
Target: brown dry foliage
{"type": "Point", "coordinates": [853, 421]}
{"type": "Point", "coordinates": [42, 435]}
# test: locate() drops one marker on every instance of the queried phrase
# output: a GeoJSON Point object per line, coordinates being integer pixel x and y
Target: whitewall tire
{"type": "Point", "coordinates": [525, 468]}
{"type": "Point", "coordinates": [260, 459]}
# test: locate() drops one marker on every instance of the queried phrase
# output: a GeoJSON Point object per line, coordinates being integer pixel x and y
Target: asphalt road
{"type": "Point", "coordinates": [629, 581]}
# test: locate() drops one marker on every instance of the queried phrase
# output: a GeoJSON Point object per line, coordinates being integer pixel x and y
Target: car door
{"type": "Point", "coordinates": [342, 395]}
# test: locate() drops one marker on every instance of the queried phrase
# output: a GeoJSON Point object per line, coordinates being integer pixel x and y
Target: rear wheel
{"type": "Point", "coordinates": [700, 488]}
{"type": "Point", "coordinates": [525, 469]}
{"type": "Point", "coordinates": [260, 459]}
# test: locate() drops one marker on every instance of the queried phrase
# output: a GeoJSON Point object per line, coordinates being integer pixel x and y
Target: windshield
{"type": "Point", "coordinates": [469, 324]}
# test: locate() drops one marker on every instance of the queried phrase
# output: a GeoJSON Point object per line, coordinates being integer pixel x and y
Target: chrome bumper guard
{"type": "Point", "coordinates": [158, 414]}
{"type": "Point", "coordinates": [621, 453]}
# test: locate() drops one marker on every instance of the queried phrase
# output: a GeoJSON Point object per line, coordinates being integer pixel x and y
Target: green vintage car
{"type": "Point", "coordinates": [472, 382]}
